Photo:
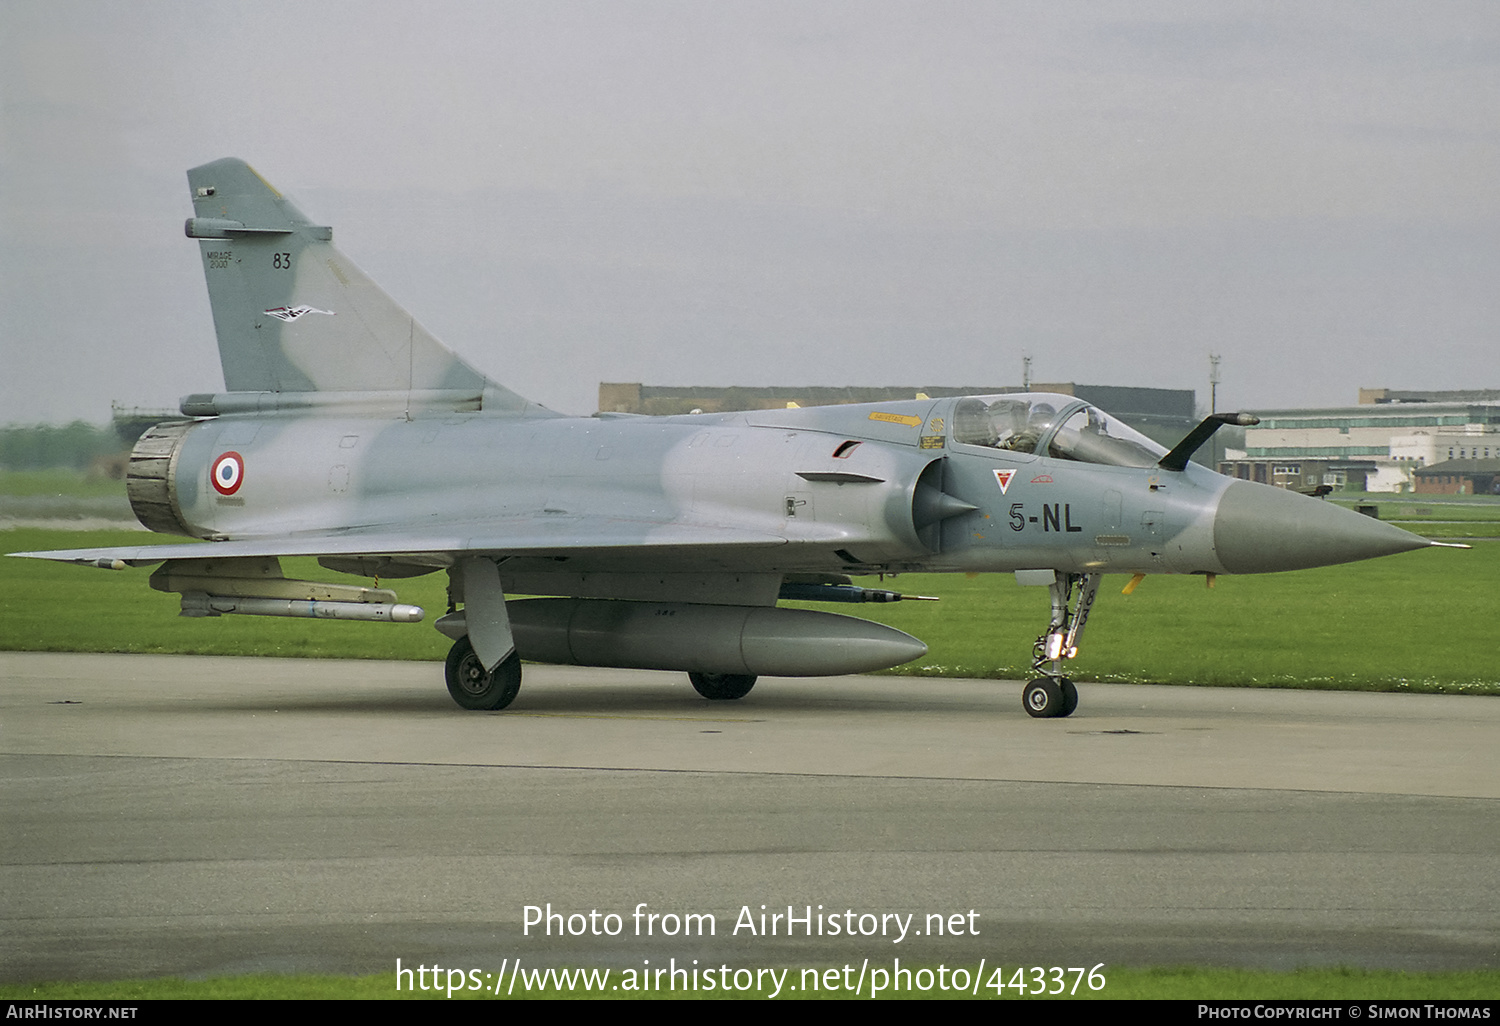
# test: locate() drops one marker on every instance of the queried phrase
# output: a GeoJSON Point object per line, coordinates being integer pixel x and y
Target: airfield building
{"type": "Point", "coordinates": [1459, 477]}
{"type": "Point", "coordinates": [1377, 446]}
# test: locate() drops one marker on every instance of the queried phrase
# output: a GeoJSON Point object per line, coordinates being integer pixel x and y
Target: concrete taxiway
{"type": "Point", "coordinates": [201, 816]}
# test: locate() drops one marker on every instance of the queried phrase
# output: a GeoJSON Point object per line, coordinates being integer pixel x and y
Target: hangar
{"type": "Point", "coordinates": [1459, 477]}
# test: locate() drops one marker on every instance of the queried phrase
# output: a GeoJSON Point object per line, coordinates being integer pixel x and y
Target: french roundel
{"type": "Point", "coordinates": [228, 471]}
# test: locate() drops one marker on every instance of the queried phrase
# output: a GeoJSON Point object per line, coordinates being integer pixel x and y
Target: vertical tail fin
{"type": "Point", "coordinates": [293, 314]}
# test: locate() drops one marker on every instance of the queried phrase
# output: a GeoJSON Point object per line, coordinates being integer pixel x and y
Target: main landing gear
{"type": "Point", "coordinates": [1052, 694]}
{"type": "Point", "coordinates": [474, 687]}
{"type": "Point", "coordinates": [722, 686]}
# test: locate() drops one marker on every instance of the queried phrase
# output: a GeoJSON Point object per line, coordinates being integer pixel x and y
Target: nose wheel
{"type": "Point", "coordinates": [1053, 695]}
{"type": "Point", "coordinates": [1048, 697]}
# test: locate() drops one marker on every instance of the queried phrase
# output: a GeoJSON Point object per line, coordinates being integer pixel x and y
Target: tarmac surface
{"type": "Point", "coordinates": [198, 816]}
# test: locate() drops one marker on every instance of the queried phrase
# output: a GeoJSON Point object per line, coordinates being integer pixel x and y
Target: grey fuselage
{"type": "Point", "coordinates": [771, 476]}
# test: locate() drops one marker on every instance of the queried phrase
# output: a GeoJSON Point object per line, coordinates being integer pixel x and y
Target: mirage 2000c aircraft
{"type": "Point", "coordinates": [347, 432]}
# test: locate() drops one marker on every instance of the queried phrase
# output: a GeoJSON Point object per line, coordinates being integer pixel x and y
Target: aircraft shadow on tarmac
{"type": "Point", "coordinates": [651, 695]}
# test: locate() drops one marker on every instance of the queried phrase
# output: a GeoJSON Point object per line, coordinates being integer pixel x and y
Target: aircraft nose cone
{"type": "Point", "coordinates": [1260, 529]}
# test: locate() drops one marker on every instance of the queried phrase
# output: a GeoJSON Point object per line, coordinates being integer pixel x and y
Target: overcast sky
{"type": "Point", "coordinates": [738, 193]}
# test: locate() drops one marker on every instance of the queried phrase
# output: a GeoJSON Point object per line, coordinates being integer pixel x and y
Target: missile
{"type": "Point", "coordinates": [197, 603]}
{"type": "Point", "coordinates": [798, 592]}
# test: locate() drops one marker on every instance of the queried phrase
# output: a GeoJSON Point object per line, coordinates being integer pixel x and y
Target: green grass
{"type": "Point", "coordinates": [1424, 507]}
{"type": "Point", "coordinates": [59, 482]}
{"type": "Point", "coordinates": [55, 607]}
{"type": "Point", "coordinates": [1452, 531]}
{"type": "Point", "coordinates": [1122, 983]}
{"type": "Point", "coordinates": [61, 494]}
{"type": "Point", "coordinates": [1413, 622]}
{"type": "Point", "coordinates": [1437, 516]}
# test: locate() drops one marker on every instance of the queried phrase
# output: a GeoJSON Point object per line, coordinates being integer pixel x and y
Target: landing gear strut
{"type": "Point", "coordinates": [1052, 694]}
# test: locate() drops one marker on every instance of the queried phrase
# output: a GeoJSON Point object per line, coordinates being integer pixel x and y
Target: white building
{"type": "Point", "coordinates": [1378, 443]}
{"type": "Point", "coordinates": [1425, 448]}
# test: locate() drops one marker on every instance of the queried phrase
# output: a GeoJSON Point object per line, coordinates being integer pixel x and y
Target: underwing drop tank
{"type": "Point", "coordinates": [751, 640]}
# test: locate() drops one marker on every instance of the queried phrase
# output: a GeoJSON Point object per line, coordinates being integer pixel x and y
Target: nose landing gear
{"type": "Point", "coordinates": [1052, 694]}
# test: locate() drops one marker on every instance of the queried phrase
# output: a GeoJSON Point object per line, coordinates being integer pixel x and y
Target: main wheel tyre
{"type": "Point", "coordinates": [1043, 698]}
{"type": "Point", "coordinates": [719, 687]}
{"type": "Point", "coordinates": [1069, 695]}
{"type": "Point", "coordinates": [474, 687]}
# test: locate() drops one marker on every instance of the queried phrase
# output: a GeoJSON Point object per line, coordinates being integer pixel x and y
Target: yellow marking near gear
{"type": "Point", "coordinates": [1210, 578]}
{"type": "Point", "coordinates": [1134, 581]}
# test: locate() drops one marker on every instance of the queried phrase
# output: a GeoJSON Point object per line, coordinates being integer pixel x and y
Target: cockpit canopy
{"type": "Point", "coordinates": [1059, 426]}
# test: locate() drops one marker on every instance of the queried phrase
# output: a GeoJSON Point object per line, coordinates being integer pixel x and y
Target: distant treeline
{"type": "Point", "coordinates": [44, 446]}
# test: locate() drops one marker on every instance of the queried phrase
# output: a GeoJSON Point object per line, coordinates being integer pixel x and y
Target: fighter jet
{"type": "Point", "coordinates": [347, 432]}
